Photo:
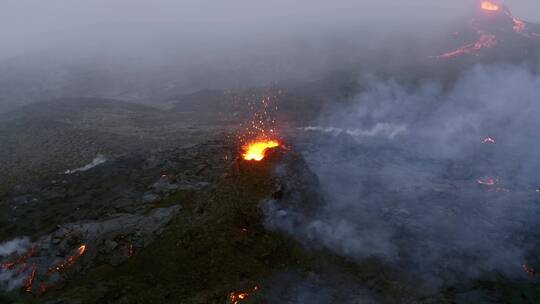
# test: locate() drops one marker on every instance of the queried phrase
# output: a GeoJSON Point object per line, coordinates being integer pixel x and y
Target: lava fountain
{"type": "Point", "coordinates": [489, 6]}
{"type": "Point", "coordinates": [260, 134]}
{"type": "Point", "coordinates": [256, 150]}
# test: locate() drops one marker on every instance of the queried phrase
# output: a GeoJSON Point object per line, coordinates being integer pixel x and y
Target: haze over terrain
{"type": "Point", "coordinates": [138, 50]}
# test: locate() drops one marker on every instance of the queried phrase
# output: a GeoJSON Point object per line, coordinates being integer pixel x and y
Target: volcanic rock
{"type": "Point", "coordinates": [75, 247]}
{"type": "Point", "coordinates": [150, 198]}
{"type": "Point", "coordinates": [165, 185]}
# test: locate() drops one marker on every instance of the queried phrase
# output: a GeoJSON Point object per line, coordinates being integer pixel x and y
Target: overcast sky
{"type": "Point", "coordinates": [30, 26]}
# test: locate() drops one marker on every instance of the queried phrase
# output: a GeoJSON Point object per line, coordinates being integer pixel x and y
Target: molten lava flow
{"type": "Point", "coordinates": [69, 261]}
{"type": "Point", "coordinates": [256, 150]}
{"type": "Point", "coordinates": [236, 297]}
{"type": "Point", "coordinates": [19, 260]}
{"type": "Point", "coordinates": [30, 280]}
{"type": "Point", "coordinates": [485, 41]}
{"type": "Point", "coordinates": [489, 6]}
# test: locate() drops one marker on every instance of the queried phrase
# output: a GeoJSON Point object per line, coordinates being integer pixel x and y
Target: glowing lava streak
{"type": "Point", "coordinates": [489, 6]}
{"type": "Point", "coordinates": [30, 280]}
{"type": "Point", "coordinates": [237, 297]}
{"type": "Point", "coordinates": [485, 41]}
{"type": "Point", "coordinates": [69, 261]}
{"type": "Point", "coordinates": [256, 150]}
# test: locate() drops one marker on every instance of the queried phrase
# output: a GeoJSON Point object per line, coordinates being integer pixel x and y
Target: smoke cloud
{"type": "Point", "coordinates": [18, 245]}
{"type": "Point", "coordinates": [419, 200]}
{"type": "Point", "coordinates": [11, 279]}
{"type": "Point", "coordinates": [148, 51]}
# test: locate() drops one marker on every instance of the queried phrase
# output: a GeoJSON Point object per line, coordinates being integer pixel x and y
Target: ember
{"type": "Point", "coordinates": [236, 296]}
{"type": "Point", "coordinates": [19, 260]}
{"type": "Point", "coordinates": [489, 6]}
{"type": "Point", "coordinates": [69, 261]}
{"type": "Point", "coordinates": [30, 280]}
{"type": "Point", "coordinates": [256, 150]}
{"type": "Point", "coordinates": [260, 134]}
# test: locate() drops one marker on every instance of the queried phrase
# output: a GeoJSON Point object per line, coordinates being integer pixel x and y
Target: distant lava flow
{"type": "Point", "coordinates": [491, 21]}
{"type": "Point", "coordinates": [256, 150]}
{"type": "Point", "coordinates": [485, 41]}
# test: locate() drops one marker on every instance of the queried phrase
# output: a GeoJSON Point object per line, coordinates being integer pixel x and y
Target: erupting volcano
{"type": "Point", "coordinates": [494, 25]}
{"type": "Point", "coordinates": [260, 135]}
{"type": "Point", "coordinates": [256, 150]}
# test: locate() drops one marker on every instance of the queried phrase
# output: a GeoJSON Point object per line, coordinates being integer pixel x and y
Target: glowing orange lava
{"type": "Point", "coordinates": [256, 150]}
{"type": "Point", "coordinates": [28, 284]}
{"type": "Point", "coordinates": [19, 260]}
{"type": "Point", "coordinates": [489, 6]}
{"type": "Point", "coordinates": [70, 261]}
{"type": "Point", "coordinates": [237, 297]}
{"type": "Point", "coordinates": [485, 41]}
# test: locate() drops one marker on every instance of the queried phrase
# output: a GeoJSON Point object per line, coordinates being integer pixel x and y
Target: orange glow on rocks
{"type": "Point", "coordinates": [70, 261]}
{"type": "Point", "coordinates": [256, 150]}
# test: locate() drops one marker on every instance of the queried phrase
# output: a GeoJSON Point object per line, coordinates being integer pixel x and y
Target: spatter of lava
{"type": "Point", "coordinates": [67, 263]}
{"type": "Point", "coordinates": [256, 150]}
{"type": "Point", "coordinates": [259, 134]}
{"type": "Point", "coordinates": [22, 266]}
{"type": "Point", "coordinates": [236, 297]}
{"type": "Point", "coordinates": [262, 122]}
